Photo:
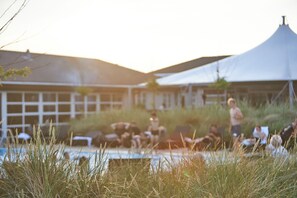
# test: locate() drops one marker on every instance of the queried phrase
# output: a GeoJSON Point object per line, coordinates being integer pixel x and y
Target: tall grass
{"type": "Point", "coordinates": [38, 172]}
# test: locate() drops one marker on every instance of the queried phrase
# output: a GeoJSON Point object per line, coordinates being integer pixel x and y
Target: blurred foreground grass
{"type": "Point", "coordinates": [38, 172]}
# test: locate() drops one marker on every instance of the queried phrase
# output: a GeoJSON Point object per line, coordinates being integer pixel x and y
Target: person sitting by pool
{"type": "Point", "coordinates": [135, 134]}
{"type": "Point", "coordinates": [121, 130]}
{"type": "Point", "coordinates": [66, 156]}
{"type": "Point", "coordinates": [210, 141]}
{"type": "Point", "coordinates": [83, 165]}
{"type": "Point", "coordinates": [289, 135]}
{"type": "Point", "coordinates": [259, 135]}
{"type": "Point", "coordinates": [275, 148]}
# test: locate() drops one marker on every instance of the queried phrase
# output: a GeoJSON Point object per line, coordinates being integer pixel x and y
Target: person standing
{"type": "Point", "coordinates": [236, 117]}
{"type": "Point", "coordinates": [154, 128]}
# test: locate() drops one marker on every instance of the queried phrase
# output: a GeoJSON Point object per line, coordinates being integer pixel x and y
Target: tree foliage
{"type": "Point", "coordinates": [220, 84]}
{"type": "Point", "coordinates": [12, 73]}
{"type": "Point", "coordinates": [83, 91]}
{"type": "Point", "coordinates": [153, 86]}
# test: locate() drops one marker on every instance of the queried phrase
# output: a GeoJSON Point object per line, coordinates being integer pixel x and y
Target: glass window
{"type": "Point", "coordinates": [105, 98]}
{"type": "Point", "coordinates": [79, 107]}
{"type": "Point", "coordinates": [31, 120]}
{"type": "Point", "coordinates": [117, 98]}
{"type": "Point", "coordinates": [92, 98]}
{"type": "Point", "coordinates": [143, 98]}
{"type": "Point", "coordinates": [64, 118]}
{"type": "Point", "coordinates": [14, 97]}
{"type": "Point", "coordinates": [11, 120]}
{"type": "Point", "coordinates": [14, 109]}
{"type": "Point", "coordinates": [49, 118]}
{"type": "Point", "coordinates": [31, 97]}
{"type": "Point", "coordinates": [63, 97]}
{"type": "Point", "coordinates": [79, 98]}
{"type": "Point", "coordinates": [15, 130]}
{"type": "Point", "coordinates": [105, 107]}
{"type": "Point", "coordinates": [91, 107]}
{"type": "Point", "coordinates": [49, 97]}
{"type": "Point", "coordinates": [64, 108]}
{"type": "Point", "coordinates": [31, 108]}
{"type": "Point", "coordinates": [78, 115]}
{"type": "Point", "coordinates": [49, 108]}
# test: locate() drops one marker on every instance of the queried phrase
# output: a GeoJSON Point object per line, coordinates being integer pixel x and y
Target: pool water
{"type": "Point", "coordinates": [157, 160]}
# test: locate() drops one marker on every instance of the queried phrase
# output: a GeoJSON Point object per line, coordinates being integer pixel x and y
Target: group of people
{"type": "Point", "coordinates": [129, 134]}
{"type": "Point", "coordinates": [279, 144]}
{"type": "Point", "coordinates": [212, 140]}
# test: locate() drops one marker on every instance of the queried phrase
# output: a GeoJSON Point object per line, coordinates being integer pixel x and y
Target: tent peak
{"type": "Point", "coordinates": [284, 20]}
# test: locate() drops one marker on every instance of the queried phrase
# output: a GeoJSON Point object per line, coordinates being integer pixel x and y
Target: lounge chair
{"type": "Point", "coordinates": [87, 139]}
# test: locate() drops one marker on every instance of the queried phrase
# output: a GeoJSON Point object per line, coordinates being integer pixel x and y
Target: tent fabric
{"type": "Point", "coordinates": [273, 60]}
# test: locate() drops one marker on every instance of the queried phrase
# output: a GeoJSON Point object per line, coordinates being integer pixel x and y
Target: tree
{"type": "Point", "coordinates": [153, 86]}
{"type": "Point", "coordinates": [9, 73]}
{"type": "Point", "coordinates": [220, 84]}
{"type": "Point", "coordinates": [12, 72]}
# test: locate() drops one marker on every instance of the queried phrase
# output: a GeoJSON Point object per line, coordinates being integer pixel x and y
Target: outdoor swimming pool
{"type": "Point", "coordinates": [164, 160]}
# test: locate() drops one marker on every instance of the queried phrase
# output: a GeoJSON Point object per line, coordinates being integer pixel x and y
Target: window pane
{"type": "Point", "coordinates": [105, 107]}
{"type": "Point", "coordinates": [31, 120]}
{"type": "Point", "coordinates": [14, 120]}
{"type": "Point", "coordinates": [14, 97]}
{"type": "Point", "coordinates": [49, 108]}
{"type": "Point", "coordinates": [49, 118]}
{"type": "Point", "coordinates": [31, 97]}
{"type": "Point", "coordinates": [64, 108]}
{"type": "Point", "coordinates": [15, 130]}
{"type": "Point", "coordinates": [79, 107]}
{"type": "Point", "coordinates": [117, 98]}
{"type": "Point", "coordinates": [64, 118]}
{"type": "Point", "coordinates": [64, 97]}
{"type": "Point", "coordinates": [105, 97]}
{"type": "Point", "coordinates": [14, 108]}
{"type": "Point", "coordinates": [91, 108]}
{"type": "Point", "coordinates": [92, 98]}
{"type": "Point", "coordinates": [78, 115]}
{"type": "Point", "coordinates": [49, 97]}
{"type": "Point", "coordinates": [31, 108]}
{"type": "Point", "coordinates": [79, 98]}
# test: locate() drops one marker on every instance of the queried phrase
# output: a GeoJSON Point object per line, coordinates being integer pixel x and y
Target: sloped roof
{"type": "Point", "coordinates": [273, 60]}
{"type": "Point", "coordinates": [64, 70]}
{"type": "Point", "coordinates": [188, 65]}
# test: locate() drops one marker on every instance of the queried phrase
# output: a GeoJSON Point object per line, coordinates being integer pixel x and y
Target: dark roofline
{"type": "Point", "coordinates": [66, 84]}
{"type": "Point", "coordinates": [188, 64]}
{"type": "Point", "coordinates": [67, 56]}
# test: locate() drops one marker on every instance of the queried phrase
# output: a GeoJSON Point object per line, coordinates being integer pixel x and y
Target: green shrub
{"type": "Point", "coordinates": [274, 116]}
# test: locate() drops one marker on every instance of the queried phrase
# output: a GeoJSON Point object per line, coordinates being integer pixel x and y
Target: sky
{"type": "Point", "coordinates": [143, 35]}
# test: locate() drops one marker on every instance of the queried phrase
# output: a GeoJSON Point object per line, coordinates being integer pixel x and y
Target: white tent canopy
{"type": "Point", "coordinates": [273, 60]}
